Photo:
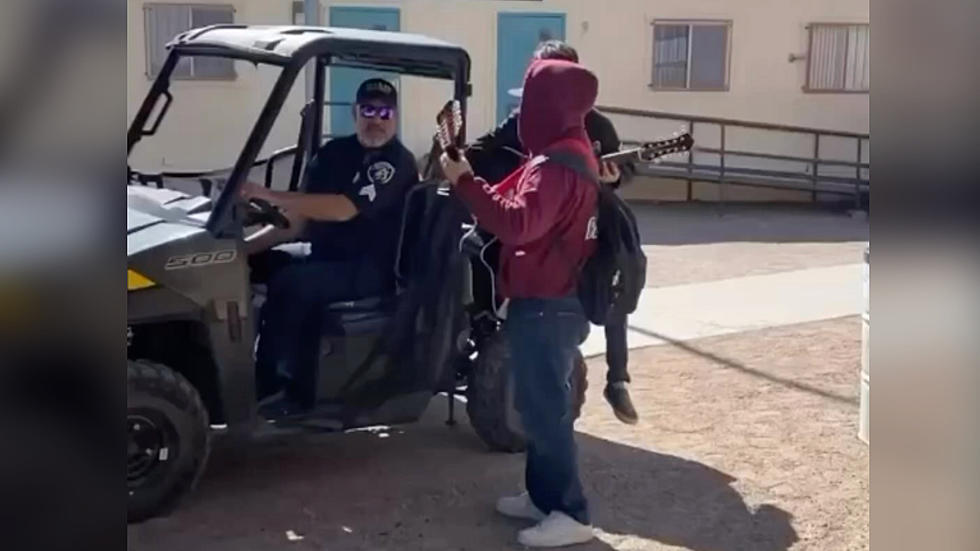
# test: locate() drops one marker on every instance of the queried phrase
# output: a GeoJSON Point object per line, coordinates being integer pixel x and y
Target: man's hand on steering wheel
{"type": "Point", "coordinates": [261, 206]}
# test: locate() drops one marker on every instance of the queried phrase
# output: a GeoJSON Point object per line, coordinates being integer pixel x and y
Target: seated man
{"type": "Point", "coordinates": [350, 210]}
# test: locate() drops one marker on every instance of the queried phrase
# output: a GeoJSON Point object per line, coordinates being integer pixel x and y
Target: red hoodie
{"type": "Point", "coordinates": [542, 213]}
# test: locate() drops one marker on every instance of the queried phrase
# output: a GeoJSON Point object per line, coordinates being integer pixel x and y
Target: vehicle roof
{"type": "Point", "coordinates": [405, 53]}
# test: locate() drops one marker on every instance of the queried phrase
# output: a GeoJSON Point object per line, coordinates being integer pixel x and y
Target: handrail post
{"type": "Point", "coordinates": [816, 164]}
{"type": "Point", "coordinates": [721, 177]}
{"type": "Point", "coordinates": [857, 177]}
{"type": "Point", "coordinates": [690, 165]}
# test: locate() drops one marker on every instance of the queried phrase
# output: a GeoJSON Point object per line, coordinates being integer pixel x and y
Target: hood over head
{"type": "Point", "coordinates": [556, 96]}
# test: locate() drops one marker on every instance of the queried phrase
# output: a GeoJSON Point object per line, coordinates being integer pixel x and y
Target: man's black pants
{"type": "Point", "coordinates": [290, 321]}
{"type": "Point", "coordinates": [617, 353]}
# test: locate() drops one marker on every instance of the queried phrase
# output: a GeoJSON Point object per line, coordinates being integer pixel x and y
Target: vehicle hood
{"type": "Point", "coordinates": [158, 216]}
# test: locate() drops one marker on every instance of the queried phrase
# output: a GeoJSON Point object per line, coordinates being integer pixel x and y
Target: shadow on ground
{"type": "Point", "coordinates": [720, 361]}
{"type": "Point", "coordinates": [698, 223]}
{"type": "Point", "coordinates": [430, 487]}
{"type": "Point", "coordinates": [675, 501]}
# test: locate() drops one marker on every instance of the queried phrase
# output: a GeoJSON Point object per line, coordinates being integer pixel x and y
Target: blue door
{"type": "Point", "coordinates": [518, 35]}
{"type": "Point", "coordinates": [345, 80]}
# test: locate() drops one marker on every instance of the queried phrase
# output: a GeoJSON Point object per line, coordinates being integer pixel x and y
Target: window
{"type": "Point", "coordinates": [165, 21]}
{"type": "Point", "coordinates": [691, 55]}
{"type": "Point", "coordinates": [839, 58]}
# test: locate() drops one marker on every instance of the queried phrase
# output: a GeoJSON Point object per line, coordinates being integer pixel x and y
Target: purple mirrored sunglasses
{"type": "Point", "coordinates": [382, 112]}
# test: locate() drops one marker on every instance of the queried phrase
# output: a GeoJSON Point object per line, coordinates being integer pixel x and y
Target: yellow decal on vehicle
{"type": "Point", "coordinates": [137, 281]}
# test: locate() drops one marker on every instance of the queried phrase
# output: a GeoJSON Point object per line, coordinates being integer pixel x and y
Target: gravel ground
{"type": "Point", "coordinates": [746, 441]}
{"type": "Point", "coordinates": [766, 425]}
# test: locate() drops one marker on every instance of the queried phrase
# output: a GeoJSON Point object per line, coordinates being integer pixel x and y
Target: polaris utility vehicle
{"type": "Point", "coordinates": [192, 307]}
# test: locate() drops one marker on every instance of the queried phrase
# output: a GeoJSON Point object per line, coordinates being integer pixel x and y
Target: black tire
{"type": "Point", "coordinates": [490, 397]}
{"type": "Point", "coordinates": [166, 418]}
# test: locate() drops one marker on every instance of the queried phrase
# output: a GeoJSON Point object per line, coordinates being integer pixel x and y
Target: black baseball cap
{"type": "Point", "coordinates": [377, 89]}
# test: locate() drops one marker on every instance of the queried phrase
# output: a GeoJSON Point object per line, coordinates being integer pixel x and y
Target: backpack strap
{"type": "Point", "coordinates": [571, 161]}
{"type": "Point", "coordinates": [577, 164]}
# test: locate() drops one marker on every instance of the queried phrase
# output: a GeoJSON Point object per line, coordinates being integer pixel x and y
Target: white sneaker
{"type": "Point", "coordinates": [519, 506]}
{"type": "Point", "coordinates": [556, 530]}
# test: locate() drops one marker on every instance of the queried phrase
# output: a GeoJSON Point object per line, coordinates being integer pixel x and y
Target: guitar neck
{"type": "Point", "coordinates": [623, 157]}
{"type": "Point", "coordinates": [651, 151]}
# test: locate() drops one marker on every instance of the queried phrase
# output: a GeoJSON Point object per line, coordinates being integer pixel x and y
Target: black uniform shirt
{"type": "Point", "coordinates": [377, 182]}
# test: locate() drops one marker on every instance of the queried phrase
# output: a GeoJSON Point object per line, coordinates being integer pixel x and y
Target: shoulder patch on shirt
{"type": "Point", "coordinates": [369, 191]}
{"type": "Point", "coordinates": [380, 172]}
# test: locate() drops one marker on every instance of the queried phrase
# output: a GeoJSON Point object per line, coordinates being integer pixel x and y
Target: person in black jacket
{"type": "Point", "coordinates": [499, 152]}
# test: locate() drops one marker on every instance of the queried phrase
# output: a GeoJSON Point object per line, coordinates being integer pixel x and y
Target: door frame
{"type": "Point", "coordinates": [501, 15]}
{"type": "Point", "coordinates": [328, 17]}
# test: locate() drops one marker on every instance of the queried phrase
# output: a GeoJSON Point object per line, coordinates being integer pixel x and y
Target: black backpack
{"type": "Point", "coordinates": [612, 278]}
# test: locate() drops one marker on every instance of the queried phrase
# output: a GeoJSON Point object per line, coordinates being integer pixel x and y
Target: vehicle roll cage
{"type": "Point", "coordinates": [291, 48]}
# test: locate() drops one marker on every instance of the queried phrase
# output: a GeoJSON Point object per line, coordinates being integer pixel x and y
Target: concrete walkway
{"type": "Point", "coordinates": [692, 311]}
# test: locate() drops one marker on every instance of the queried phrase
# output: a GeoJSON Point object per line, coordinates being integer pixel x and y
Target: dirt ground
{"type": "Point", "coordinates": [746, 441]}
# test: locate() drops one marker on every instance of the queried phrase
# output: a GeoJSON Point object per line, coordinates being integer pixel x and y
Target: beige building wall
{"type": "Point", "coordinates": [614, 38]}
{"type": "Point", "coordinates": [764, 85]}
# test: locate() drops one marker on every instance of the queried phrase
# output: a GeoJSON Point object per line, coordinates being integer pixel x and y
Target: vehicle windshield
{"type": "Point", "coordinates": [216, 103]}
{"type": "Point", "coordinates": [202, 133]}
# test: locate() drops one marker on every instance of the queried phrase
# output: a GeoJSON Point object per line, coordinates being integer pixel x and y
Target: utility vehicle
{"type": "Point", "coordinates": [192, 306]}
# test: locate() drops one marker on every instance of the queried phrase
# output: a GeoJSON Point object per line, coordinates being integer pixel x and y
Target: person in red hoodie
{"type": "Point", "coordinates": [497, 153]}
{"type": "Point", "coordinates": [544, 216]}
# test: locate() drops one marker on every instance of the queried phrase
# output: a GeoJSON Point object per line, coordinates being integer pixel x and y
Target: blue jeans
{"type": "Point", "coordinates": [543, 336]}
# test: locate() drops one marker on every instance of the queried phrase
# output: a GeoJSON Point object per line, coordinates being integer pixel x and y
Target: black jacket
{"type": "Point", "coordinates": [499, 152]}
{"type": "Point", "coordinates": [418, 345]}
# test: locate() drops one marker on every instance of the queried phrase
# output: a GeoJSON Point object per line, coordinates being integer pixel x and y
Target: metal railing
{"type": "Point", "coordinates": [809, 179]}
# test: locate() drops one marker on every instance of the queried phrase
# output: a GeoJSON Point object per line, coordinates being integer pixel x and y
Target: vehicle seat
{"type": "Point", "coordinates": [370, 315]}
{"type": "Point", "coordinates": [358, 317]}
{"type": "Point", "coordinates": [368, 304]}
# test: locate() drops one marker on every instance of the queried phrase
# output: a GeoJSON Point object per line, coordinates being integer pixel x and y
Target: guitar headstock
{"type": "Point", "coordinates": [449, 128]}
{"type": "Point", "coordinates": [661, 148]}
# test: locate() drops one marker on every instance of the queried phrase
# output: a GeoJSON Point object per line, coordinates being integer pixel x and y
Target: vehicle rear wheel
{"type": "Point", "coordinates": [490, 396]}
{"type": "Point", "coordinates": [168, 439]}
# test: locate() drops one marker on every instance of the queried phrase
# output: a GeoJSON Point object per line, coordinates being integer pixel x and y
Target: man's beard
{"type": "Point", "coordinates": [373, 140]}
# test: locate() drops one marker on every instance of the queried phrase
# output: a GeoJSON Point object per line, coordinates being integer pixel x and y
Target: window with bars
{"type": "Point", "coordinates": [691, 55]}
{"type": "Point", "coordinates": [165, 21]}
{"type": "Point", "coordinates": [839, 59]}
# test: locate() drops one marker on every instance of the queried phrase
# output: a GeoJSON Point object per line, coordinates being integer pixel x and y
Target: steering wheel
{"type": "Point", "coordinates": [262, 211]}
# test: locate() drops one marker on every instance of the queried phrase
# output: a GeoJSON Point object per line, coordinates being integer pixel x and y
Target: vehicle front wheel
{"type": "Point", "coordinates": [168, 439]}
{"type": "Point", "coordinates": [490, 396]}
